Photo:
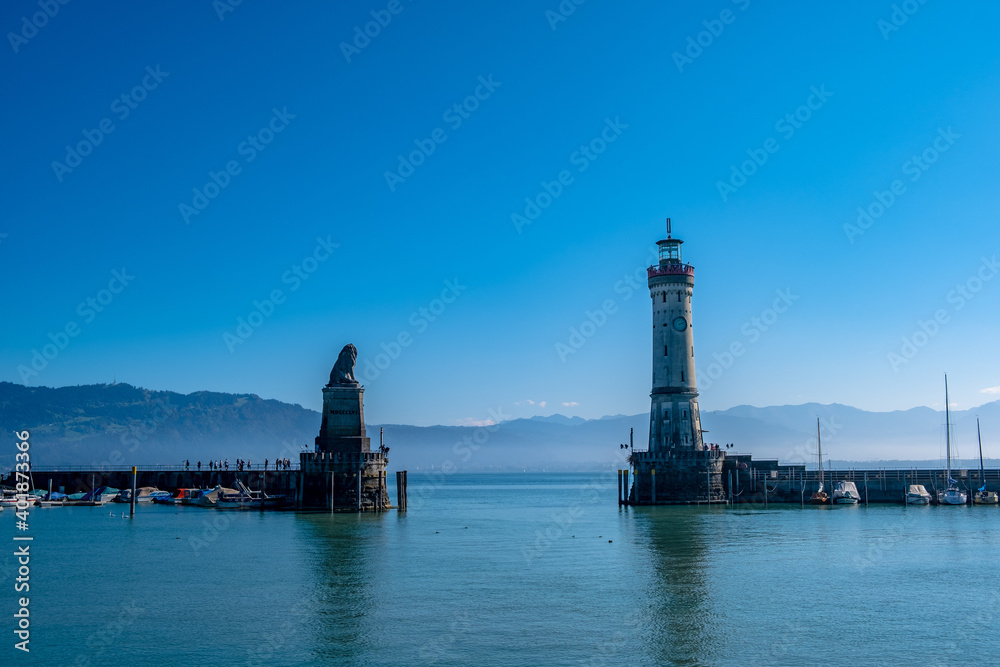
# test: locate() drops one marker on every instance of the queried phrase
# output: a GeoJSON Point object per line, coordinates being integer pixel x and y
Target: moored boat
{"type": "Point", "coordinates": [820, 497]}
{"type": "Point", "coordinates": [239, 501]}
{"type": "Point", "coordinates": [181, 497]}
{"type": "Point", "coordinates": [211, 497]}
{"type": "Point", "coordinates": [154, 497]}
{"type": "Point", "coordinates": [983, 497]}
{"type": "Point", "coordinates": [142, 495]}
{"type": "Point", "coordinates": [916, 494]}
{"type": "Point", "coordinates": [10, 498]}
{"type": "Point", "coordinates": [952, 495]}
{"type": "Point", "coordinates": [846, 493]}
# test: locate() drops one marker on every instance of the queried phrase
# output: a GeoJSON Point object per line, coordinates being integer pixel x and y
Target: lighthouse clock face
{"type": "Point", "coordinates": [680, 324]}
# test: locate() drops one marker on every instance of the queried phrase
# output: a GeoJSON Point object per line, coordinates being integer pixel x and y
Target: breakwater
{"type": "Point", "coordinates": [758, 481]}
{"type": "Point", "coordinates": [745, 480]}
{"type": "Point", "coordinates": [166, 478]}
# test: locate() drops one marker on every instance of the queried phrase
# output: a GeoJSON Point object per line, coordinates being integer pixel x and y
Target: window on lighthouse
{"type": "Point", "coordinates": [664, 296]}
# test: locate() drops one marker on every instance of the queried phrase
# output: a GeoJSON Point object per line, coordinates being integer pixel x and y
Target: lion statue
{"type": "Point", "coordinates": [343, 370]}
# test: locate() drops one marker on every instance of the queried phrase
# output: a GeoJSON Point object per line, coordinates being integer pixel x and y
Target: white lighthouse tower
{"type": "Point", "coordinates": [677, 468]}
{"type": "Point", "coordinates": [674, 423]}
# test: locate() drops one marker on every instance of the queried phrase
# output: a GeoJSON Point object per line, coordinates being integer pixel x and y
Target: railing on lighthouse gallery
{"type": "Point", "coordinates": [670, 270]}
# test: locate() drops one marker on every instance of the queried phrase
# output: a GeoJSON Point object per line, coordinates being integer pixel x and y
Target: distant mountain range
{"type": "Point", "coordinates": [120, 424]}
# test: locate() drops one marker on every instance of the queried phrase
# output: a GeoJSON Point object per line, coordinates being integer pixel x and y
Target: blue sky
{"type": "Point", "coordinates": [309, 128]}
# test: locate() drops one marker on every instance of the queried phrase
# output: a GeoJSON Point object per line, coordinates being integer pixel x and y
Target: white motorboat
{"type": "Point", "coordinates": [846, 493]}
{"type": "Point", "coordinates": [10, 498]}
{"type": "Point", "coordinates": [917, 495]}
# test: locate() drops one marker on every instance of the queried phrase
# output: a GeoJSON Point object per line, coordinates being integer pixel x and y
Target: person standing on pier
{"type": "Point", "coordinates": [227, 464]}
{"type": "Point", "coordinates": [265, 464]}
{"type": "Point", "coordinates": [199, 466]}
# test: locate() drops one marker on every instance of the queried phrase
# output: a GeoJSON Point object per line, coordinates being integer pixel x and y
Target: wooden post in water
{"type": "Point", "coordinates": [333, 490]}
{"type": "Point", "coordinates": [652, 485]}
{"type": "Point", "coordinates": [401, 490]}
{"type": "Point", "coordinates": [298, 490]}
{"type": "Point", "coordinates": [131, 503]}
{"type": "Point", "coordinates": [765, 492]}
{"type": "Point", "coordinates": [625, 474]}
{"type": "Point", "coordinates": [730, 487]}
{"type": "Point", "coordinates": [866, 488]}
{"type": "Point", "coordinates": [619, 487]}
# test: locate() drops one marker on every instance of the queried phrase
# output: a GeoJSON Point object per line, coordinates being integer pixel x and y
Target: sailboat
{"type": "Point", "coordinates": [820, 497]}
{"type": "Point", "coordinates": [983, 497]}
{"type": "Point", "coordinates": [952, 495]}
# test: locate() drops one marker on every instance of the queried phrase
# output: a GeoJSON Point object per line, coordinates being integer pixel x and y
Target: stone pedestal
{"type": "Point", "coordinates": [343, 474]}
{"type": "Point", "coordinates": [343, 427]}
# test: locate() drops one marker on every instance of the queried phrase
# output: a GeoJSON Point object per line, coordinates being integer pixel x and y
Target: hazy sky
{"type": "Point", "coordinates": [475, 178]}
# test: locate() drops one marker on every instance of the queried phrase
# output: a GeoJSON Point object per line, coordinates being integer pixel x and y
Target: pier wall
{"type": "Point", "coordinates": [357, 481]}
{"type": "Point", "coordinates": [274, 482]}
{"type": "Point", "coordinates": [794, 484]}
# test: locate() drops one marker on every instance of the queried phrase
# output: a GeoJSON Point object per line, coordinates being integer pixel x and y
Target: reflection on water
{"type": "Point", "coordinates": [344, 583]}
{"type": "Point", "coordinates": [680, 628]}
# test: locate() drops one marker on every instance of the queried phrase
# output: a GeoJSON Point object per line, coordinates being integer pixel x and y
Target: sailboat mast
{"type": "Point", "coordinates": [979, 434]}
{"type": "Point", "coordinates": [819, 444]}
{"type": "Point", "coordinates": [947, 426]}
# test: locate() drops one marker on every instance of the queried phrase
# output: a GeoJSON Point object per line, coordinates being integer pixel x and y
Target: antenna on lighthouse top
{"type": "Point", "coordinates": [668, 228]}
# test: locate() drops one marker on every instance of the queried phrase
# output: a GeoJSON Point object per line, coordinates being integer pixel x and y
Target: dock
{"type": "Point", "coordinates": [74, 479]}
{"type": "Point", "coordinates": [758, 482]}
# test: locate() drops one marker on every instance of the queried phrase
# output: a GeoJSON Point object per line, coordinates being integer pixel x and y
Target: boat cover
{"type": "Point", "coordinates": [846, 489]}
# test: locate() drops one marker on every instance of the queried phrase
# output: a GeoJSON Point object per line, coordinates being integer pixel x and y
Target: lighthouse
{"type": "Point", "coordinates": [674, 423]}
{"type": "Point", "coordinates": [677, 468]}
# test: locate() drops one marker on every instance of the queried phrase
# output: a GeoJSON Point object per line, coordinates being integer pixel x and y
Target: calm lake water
{"type": "Point", "coordinates": [529, 569]}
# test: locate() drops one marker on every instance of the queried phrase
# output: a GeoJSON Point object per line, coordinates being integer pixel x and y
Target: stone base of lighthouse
{"type": "Point", "coordinates": [679, 477]}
